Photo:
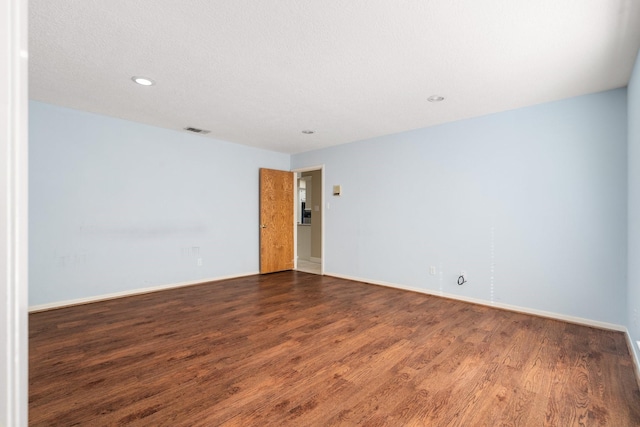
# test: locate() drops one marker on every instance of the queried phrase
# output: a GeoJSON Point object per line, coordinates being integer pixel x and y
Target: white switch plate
{"type": "Point", "coordinates": [638, 342]}
{"type": "Point", "coordinates": [199, 262]}
{"type": "Point", "coordinates": [432, 270]}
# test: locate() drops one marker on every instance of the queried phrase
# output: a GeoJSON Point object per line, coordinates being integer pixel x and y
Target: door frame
{"type": "Point", "coordinates": [322, 210]}
{"type": "Point", "coordinates": [14, 192]}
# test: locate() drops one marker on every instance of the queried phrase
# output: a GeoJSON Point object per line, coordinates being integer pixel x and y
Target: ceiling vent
{"type": "Point", "coordinates": [196, 130]}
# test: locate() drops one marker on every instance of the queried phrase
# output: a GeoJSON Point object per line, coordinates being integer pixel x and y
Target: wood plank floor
{"type": "Point", "coordinates": [298, 349]}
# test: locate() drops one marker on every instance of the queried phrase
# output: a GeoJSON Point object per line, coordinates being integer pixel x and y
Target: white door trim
{"type": "Point", "coordinates": [13, 214]}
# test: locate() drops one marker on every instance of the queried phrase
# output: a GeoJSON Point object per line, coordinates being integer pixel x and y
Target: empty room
{"type": "Point", "coordinates": [466, 174]}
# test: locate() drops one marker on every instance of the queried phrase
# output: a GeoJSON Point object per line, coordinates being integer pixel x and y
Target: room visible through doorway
{"type": "Point", "coordinates": [309, 221]}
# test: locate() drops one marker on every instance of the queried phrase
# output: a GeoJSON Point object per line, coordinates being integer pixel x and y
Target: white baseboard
{"type": "Point", "coordinates": [525, 310]}
{"type": "Point", "coordinates": [541, 313]}
{"type": "Point", "coordinates": [634, 355]}
{"type": "Point", "coordinates": [87, 300]}
{"type": "Point", "coordinates": [316, 260]}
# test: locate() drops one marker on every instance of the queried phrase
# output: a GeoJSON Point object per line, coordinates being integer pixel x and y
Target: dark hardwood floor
{"type": "Point", "coordinates": [303, 350]}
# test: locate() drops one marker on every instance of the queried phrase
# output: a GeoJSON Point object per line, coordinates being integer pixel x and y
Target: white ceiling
{"type": "Point", "coordinates": [259, 72]}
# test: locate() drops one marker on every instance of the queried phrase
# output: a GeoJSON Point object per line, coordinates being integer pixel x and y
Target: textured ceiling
{"type": "Point", "coordinates": [260, 72]}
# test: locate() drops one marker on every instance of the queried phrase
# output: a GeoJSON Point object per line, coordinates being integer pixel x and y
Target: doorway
{"type": "Point", "coordinates": [309, 224]}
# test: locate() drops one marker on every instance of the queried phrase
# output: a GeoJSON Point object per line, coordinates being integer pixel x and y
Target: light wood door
{"type": "Point", "coordinates": [276, 220]}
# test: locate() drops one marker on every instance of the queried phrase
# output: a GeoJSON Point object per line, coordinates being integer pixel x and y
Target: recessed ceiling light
{"type": "Point", "coordinates": [144, 81]}
{"type": "Point", "coordinates": [308, 132]}
{"type": "Point", "coordinates": [435, 98]}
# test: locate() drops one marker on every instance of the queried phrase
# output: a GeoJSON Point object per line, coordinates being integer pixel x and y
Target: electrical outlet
{"type": "Point", "coordinates": [432, 270]}
{"type": "Point", "coordinates": [199, 262]}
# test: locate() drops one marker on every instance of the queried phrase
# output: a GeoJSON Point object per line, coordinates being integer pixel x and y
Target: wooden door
{"type": "Point", "coordinates": [276, 220]}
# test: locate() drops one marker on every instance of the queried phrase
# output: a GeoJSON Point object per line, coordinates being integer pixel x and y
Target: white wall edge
{"type": "Point", "coordinates": [14, 196]}
{"type": "Point", "coordinates": [519, 309]}
{"type": "Point", "coordinates": [139, 291]}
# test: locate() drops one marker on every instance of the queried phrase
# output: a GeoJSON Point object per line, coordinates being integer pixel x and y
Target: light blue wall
{"type": "Point", "coordinates": [118, 206]}
{"type": "Point", "coordinates": [538, 194]}
{"type": "Point", "coordinates": [633, 296]}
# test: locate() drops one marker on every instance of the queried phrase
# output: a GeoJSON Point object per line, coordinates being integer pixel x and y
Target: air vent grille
{"type": "Point", "coordinates": [196, 130]}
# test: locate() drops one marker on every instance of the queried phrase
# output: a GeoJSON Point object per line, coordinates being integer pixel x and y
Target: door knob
{"type": "Point", "coordinates": [263, 225]}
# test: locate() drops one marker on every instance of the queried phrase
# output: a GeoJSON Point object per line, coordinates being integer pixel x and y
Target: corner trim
{"type": "Point", "coordinates": [509, 307]}
{"type": "Point", "coordinates": [139, 291]}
